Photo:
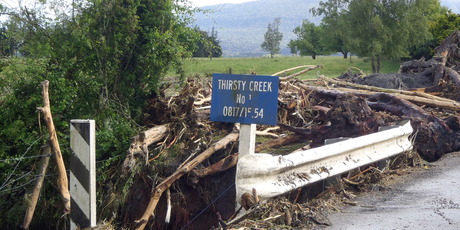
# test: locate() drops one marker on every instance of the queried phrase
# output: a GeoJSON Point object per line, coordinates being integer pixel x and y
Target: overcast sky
{"type": "Point", "coordinates": [454, 5]}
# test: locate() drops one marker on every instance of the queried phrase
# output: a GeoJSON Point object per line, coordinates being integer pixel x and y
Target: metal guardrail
{"type": "Point", "coordinates": [275, 175]}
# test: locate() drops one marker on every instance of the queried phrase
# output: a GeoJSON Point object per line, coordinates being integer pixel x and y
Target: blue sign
{"type": "Point", "coordinates": [246, 99]}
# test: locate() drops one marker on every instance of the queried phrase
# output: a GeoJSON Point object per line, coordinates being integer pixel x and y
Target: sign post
{"type": "Point", "coordinates": [245, 99]}
{"type": "Point", "coordinates": [82, 174]}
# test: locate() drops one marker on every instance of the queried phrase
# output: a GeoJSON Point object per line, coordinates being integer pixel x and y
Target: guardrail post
{"type": "Point", "coordinates": [82, 174]}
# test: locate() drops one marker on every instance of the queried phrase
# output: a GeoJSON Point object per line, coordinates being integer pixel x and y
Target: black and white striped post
{"type": "Point", "coordinates": [82, 174]}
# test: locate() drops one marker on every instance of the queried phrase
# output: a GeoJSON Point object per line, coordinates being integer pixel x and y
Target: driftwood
{"type": "Point", "coordinates": [445, 104]}
{"type": "Point", "coordinates": [285, 140]}
{"type": "Point", "coordinates": [38, 185]}
{"type": "Point", "coordinates": [300, 73]}
{"type": "Point", "coordinates": [291, 69]}
{"type": "Point", "coordinates": [385, 90]}
{"type": "Point", "coordinates": [140, 145]}
{"type": "Point", "coordinates": [163, 186]}
{"type": "Point", "coordinates": [354, 114]}
{"type": "Point", "coordinates": [63, 183]}
{"type": "Point", "coordinates": [434, 137]}
{"type": "Point", "coordinates": [222, 165]}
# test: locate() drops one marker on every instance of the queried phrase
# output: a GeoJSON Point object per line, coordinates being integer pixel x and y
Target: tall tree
{"type": "Point", "coordinates": [208, 45]}
{"type": "Point", "coordinates": [334, 26]}
{"type": "Point", "coordinates": [386, 29]}
{"type": "Point", "coordinates": [272, 38]}
{"type": "Point", "coordinates": [308, 40]}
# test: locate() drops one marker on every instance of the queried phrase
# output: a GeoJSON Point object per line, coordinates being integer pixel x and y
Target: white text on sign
{"type": "Point", "coordinates": [253, 86]}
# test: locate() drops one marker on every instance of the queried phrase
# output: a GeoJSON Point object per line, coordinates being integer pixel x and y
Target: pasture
{"type": "Point", "coordinates": [333, 66]}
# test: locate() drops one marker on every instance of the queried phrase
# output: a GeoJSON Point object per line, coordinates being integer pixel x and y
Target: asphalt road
{"type": "Point", "coordinates": [429, 199]}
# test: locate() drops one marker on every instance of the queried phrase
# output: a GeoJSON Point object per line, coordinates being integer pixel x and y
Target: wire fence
{"type": "Point", "coordinates": [9, 179]}
{"type": "Point", "coordinates": [15, 181]}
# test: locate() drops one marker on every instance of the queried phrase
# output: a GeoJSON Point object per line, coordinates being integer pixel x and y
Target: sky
{"type": "Point", "coordinates": [454, 5]}
{"type": "Point", "coordinates": [200, 3]}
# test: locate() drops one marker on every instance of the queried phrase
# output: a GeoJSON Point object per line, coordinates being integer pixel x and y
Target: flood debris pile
{"type": "Point", "coordinates": [180, 172]}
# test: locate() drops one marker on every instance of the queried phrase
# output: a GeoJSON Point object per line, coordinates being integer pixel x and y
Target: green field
{"type": "Point", "coordinates": [333, 66]}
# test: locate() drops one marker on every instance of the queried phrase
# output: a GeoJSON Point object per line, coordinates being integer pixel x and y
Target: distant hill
{"type": "Point", "coordinates": [241, 27]}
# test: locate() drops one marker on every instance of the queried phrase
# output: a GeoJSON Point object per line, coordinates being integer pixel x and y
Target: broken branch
{"type": "Point", "coordinates": [63, 183]}
{"type": "Point", "coordinates": [38, 186]}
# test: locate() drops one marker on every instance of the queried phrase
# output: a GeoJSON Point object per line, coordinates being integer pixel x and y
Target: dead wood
{"type": "Point", "coordinates": [222, 165]}
{"type": "Point", "coordinates": [448, 52]}
{"type": "Point", "coordinates": [291, 69]}
{"type": "Point", "coordinates": [453, 75]}
{"type": "Point", "coordinates": [383, 90]}
{"type": "Point", "coordinates": [140, 145]}
{"type": "Point", "coordinates": [444, 103]}
{"type": "Point", "coordinates": [281, 141]}
{"type": "Point", "coordinates": [46, 152]}
{"type": "Point", "coordinates": [63, 183]}
{"type": "Point", "coordinates": [419, 98]}
{"type": "Point", "coordinates": [163, 186]}
{"type": "Point", "coordinates": [300, 73]}
{"type": "Point", "coordinates": [433, 136]}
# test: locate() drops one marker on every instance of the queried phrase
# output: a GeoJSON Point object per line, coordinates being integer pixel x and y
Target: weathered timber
{"type": "Point", "coordinates": [140, 145]}
{"type": "Point", "coordinates": [46, 152]}
{"type": "Point", "coordinates": [63, 183]}
{"type": "Point", "coordinates": [222, 165]}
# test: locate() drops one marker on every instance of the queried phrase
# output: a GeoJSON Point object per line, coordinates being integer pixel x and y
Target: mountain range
{"type": "Point", "coordinates": [241, 27]}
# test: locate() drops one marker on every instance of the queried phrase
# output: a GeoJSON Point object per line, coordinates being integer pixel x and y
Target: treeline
{"type": "Point", "coordinates": [377, 29]}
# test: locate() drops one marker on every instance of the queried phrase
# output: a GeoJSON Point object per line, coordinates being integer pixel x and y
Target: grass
{"type": "Point", "coordinates": [333, 66]}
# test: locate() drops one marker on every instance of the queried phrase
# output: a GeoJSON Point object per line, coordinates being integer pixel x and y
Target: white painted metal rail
{"type": "Point", "coordinates": [275, 175]}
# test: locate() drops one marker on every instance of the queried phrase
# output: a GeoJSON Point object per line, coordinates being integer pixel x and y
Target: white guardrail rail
{"type": "Point", "coordinates": [272, 175]}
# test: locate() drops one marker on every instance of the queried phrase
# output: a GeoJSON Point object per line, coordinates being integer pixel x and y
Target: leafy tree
{"type": "Point", "coordinates": [308, 40]}
{"type": "Point", "coordinates": [386, 29]}
{"type": "Point", "coordinates": [208, 45]}
{"type": "Point", "coordinates": [446, 23]}
{"type": "Point", "coordinates": [272, 38]}
{"type": "Point", "coordinates": [334, 27]}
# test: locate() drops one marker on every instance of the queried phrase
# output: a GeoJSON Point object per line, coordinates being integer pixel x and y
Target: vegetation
{"type": "Point", "coordinates": [377, 29]}
{"type": "Point", "coordinates": [445, 25]}
{"type": "Point", "coordinates": [333, 66]}
{"type": "Point", "coordinates": [273, 38]}
{"type": "Point", "coordinates": [334, 36]}
{"type": "Point", "coordinates": [208, 45]}
{"type": "Point", "coordinates": [308, 40]}
{"type": "Point", "coordinates": [104, 59]}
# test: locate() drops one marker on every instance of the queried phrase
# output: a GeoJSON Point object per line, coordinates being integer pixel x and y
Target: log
{"type": "Point", "coordinates": [38, 186]}
{"type": "Point", "coordinates": [434, 137]}
{"type": "Point", "coordinates": [291, 69]}
{"type": "Point", "coordinates": [453, 75]}
{"type": "Point", "coordinates": [222, 165]}
{"type": "Point", "coordinates": [445, 104]}
{"type": "Point", "coordinates": [415, 97]}
{"type": "Point", "coordinates": [140, 143]}
{"type": "Point", "coordinates": [165, 184]}
{"type": "Point", "coordinates": [287, 78]}
{"type": "Point", "coordinates": [288, 139]}
{"type": "Point", "coordinates": [63, 183]}
{"type": "Point", "coordinates": [385, 90]}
